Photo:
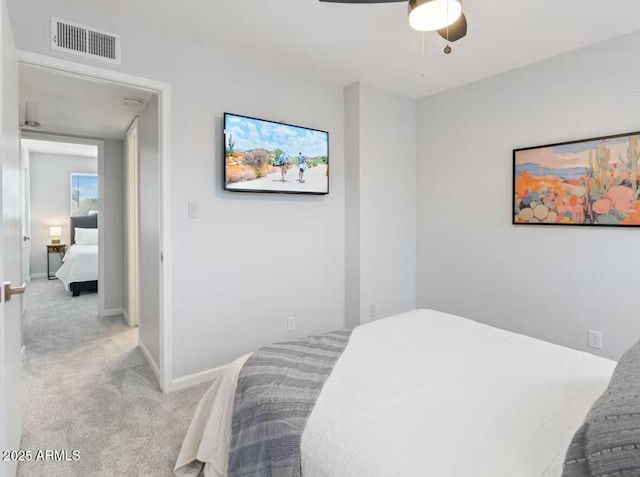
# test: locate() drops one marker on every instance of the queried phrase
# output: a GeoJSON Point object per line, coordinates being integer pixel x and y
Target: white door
{"type": "Point", "coordinates": [10, 251]}
{"type": "Point", "coordinates": [133, 231]}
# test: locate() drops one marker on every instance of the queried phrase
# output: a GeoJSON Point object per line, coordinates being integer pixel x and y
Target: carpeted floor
{"type": "Point", "coordinates": [87, 387]}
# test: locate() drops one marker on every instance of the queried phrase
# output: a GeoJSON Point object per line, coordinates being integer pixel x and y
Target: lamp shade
{"type": "Point", "coordinates": [55, 231]}
{"type": "Point", "coordinates": [432, 15]}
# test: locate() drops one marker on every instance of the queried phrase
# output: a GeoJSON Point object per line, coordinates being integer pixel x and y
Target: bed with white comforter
{"type": "Point", "coordinates": [80, 264]}
{"type": "Point", "coordinates": [426, 393]}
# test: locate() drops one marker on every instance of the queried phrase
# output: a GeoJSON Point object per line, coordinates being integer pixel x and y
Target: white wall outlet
{"type": "Point", "coordinates": [595, 339]}
{"type": "Point", "coordinates": [291, 324]}
{"type": "Point", "coordinates": [194, 210]}
{"type": "Point", "coordinates": [372, 311]}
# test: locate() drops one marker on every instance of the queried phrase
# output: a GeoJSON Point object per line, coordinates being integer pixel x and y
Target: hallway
{"type": "Point", "coordinates": [87, 387]}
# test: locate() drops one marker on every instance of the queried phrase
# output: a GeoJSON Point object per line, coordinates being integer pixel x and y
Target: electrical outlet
{"type": "Point", "coordinates": [595, 339]}
{"type": "Point", "coordinates": [291, 324]}
{"type": "Point", "coordinates": [372, 311]}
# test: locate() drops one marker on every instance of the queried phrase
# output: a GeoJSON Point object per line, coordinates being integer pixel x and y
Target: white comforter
{"type": "Point", "coordinates": [425, 393]}
{"type": "Point", "coordinates": [80, 264]}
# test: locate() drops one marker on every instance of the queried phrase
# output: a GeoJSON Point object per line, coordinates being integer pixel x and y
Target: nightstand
{"type": "Point", "coordinates": [58, 248]}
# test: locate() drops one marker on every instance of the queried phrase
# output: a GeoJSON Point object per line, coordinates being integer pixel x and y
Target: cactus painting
{"type": "Point", "coordinates": [589, 182]}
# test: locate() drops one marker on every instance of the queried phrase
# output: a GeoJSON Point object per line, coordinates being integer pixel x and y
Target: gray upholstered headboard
{"type": "Point", "coordinates": [83, 222]}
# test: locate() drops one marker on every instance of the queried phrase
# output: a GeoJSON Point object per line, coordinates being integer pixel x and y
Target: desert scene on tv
{"type": "Point", "coordinates": [262, 156]}
{"type": "Point", "coordinates": [586, 183]}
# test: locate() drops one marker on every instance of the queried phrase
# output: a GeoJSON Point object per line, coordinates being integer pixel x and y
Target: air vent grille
{"type": "Point", "coordinates": [71, 37]}
{"type": "Point", "coordinates": [102, 45]}
{"type": "Point", "coordinates": [85, 41]}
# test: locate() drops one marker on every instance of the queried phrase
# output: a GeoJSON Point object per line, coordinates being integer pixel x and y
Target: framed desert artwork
{"type": "Point", "coordinates": [591, 182]}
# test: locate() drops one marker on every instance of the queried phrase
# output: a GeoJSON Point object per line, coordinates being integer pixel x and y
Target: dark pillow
{"type": "Point", "coordinates": [608, 443]}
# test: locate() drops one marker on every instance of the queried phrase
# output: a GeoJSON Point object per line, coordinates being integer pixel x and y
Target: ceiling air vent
{"type": "Point", "coordinates": [84, 41]}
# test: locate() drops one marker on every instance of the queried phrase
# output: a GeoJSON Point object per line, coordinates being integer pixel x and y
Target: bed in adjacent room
{"type": "Point", "coordinates": [421, 393]}
{"type": "Point", "coordinates": [79, 270]}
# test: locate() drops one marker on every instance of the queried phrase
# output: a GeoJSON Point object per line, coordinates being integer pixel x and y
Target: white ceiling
{"type": "Point", "coordinates": [63, 148]}
{"type": "Point", "coordinates": [68, 105]}
{"type": "Point", "coordinates": [373, 43]}
{"type": "Point", "coordinates": [346, 43]}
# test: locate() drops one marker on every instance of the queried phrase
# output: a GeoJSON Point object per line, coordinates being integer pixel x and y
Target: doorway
{"type": "Point", "coordinates": [146, 109]}
{"type": "Point", "coordinates": [62, 177]}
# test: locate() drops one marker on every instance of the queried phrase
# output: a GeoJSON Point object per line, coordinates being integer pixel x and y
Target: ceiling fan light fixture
{"type": "Point", "coordinates": [432, 15]}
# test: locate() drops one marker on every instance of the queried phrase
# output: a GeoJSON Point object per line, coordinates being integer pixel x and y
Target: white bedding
{"type": "Point", "coordinates": [425, 393]}
{"type": "Point", "coordinates": [80, 264]}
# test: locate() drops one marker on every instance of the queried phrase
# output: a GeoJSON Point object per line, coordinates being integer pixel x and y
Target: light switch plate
{"type": "Point", "coordinates": [194, 210]}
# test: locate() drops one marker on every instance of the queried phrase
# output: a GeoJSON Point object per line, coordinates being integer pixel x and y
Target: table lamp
{"type": "Point", "coordinates": [55, 231]}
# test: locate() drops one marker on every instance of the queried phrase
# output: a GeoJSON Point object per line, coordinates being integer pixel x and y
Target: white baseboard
{"type": "Point", "coordinates": [35, 276]}
{"type": "Point", "coordinates": [194, 379]}
{"type": "Point", "coordinates": [113, 312]}
{"type": "Point", "coordinates": [152, 363]}
{"type": "Point", "coordinates": [126, 315]}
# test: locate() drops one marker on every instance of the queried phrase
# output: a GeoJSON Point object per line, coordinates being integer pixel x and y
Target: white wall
{"type": "Point", "coordinates": [551, 283]}
{"type": "Point", "coordinates": [352, 203]}
{"type": "Point", "coordinates": [233, 287]}
{"type": "Point", "coordinates": [149, 172]}
{"type": "Point", "coordinates": [381, 202]}
{"type": "Point", "coordinates": [51, 202]}
{"type": "Point", "coordinates": [113, 221]}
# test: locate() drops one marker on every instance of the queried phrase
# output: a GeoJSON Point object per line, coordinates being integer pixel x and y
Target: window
{"type": "Point", "coordinates": [84, 194]}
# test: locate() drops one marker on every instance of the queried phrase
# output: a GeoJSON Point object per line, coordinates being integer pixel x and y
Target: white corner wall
{"type": "Point", "coordinates": [352, 203]}
{"type": "Point", "coordinates": [234, 282]}
{"type": "Point", "coordinates": [51, 202]}
{"type": "Point", "coordinates": [380, 203]}
{"type": "Point", "coordinates": [551, 283]}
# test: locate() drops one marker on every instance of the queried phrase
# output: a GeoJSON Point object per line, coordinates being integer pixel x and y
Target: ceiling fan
{"type": "Point", "coordinates": [444, 16]}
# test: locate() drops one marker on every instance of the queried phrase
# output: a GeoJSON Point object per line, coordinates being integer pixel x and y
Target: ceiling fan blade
{"type": "Point", "coordinates": [363, 1]}
{"type": "Point", "coordinates": [457, 30]}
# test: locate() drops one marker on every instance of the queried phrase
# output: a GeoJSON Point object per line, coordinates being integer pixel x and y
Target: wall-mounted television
{"type": "Point", "coordinates": [267, 156]}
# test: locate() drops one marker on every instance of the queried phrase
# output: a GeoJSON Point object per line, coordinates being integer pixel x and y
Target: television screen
{"type": "Point", "coordinates": [265, 156]}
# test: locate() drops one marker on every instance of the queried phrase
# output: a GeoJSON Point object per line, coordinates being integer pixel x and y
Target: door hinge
{"type": "Point", "coordinates": [161, 257]}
